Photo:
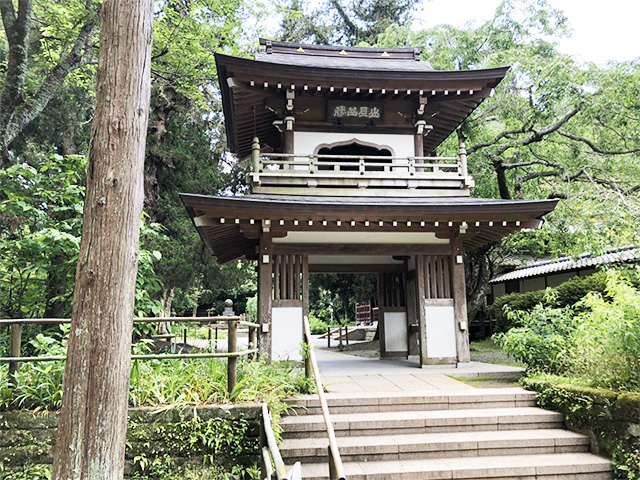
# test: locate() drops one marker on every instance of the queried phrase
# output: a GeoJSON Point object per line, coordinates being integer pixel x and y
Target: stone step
{"type": "Point", "coordinates": [436, 445]}
{"type": "Point", "coordinates": [569, 466]}
{"type": "Point", "coordinates": [430, 421]}
{"type": "Point", "coordinates": [408, 401]}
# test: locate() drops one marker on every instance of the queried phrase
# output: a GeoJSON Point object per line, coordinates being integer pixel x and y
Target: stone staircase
{"type": "Point", "coordinates": [484, 433]}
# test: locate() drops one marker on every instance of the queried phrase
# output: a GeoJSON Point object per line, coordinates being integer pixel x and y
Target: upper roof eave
{"type": "Point", "coordinates": [259, 66]}
{"type": "Point", "coordinates": [406, 205]}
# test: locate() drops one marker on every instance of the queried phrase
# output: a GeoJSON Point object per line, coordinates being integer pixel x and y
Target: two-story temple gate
{"type": "Point", "coordinates": [340, 143]}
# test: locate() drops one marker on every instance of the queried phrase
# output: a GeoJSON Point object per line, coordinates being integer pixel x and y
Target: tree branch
{"type": "Point", "coordinates": [533, 137]}
{"type": "Point", "coordinates": [78, 56]}
{"type": "Point", "coordinates": [345, 17]}
{"type": "Point", "coordinates": [539, 135]}
{"type": "Point", "coordinates": [594, 147]}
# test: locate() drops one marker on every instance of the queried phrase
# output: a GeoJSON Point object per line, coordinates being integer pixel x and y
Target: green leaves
{"type": "Point", "coordinates": [596, 340]}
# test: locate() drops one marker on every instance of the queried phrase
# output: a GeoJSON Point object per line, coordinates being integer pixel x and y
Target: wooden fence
{"type": "Point", "coordinates": [229, 323]}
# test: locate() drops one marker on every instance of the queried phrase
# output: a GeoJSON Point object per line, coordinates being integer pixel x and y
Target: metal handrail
{"type": "Point", "coordinates": [336, 468]}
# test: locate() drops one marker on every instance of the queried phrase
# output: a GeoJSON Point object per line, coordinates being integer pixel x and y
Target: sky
{"type": "Point", "coordinates": [601, 31]}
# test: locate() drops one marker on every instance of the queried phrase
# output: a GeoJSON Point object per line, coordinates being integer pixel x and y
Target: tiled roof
{"type": "Point", "coordinates": [343, 57]}
{"type": "Point", "coordinates": [629, 253]}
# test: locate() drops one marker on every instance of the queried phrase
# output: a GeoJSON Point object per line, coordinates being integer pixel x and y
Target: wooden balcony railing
{"type": "Point", "coordinates": [359, 175]}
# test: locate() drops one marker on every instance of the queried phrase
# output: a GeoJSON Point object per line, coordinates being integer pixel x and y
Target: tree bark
{"type": "Point", "coordinates": [92, 428]}
{"type": "Point", "coordinates": [479, 274]}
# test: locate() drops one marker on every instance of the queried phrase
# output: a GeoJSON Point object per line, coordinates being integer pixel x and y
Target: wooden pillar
{"type": "Point", "coordinates": [14, 351]}
{"type": "Point", "coordinates": [459, 299]}
{"type": "Point", "coordinates": [305, 285]}
{"type": "Point", "coordinates": [418, 143]}
{"type": "Point", "coordinates": [265, 262]}
{"type": "Point", "coordinates": [287, 135]}
{"type": "Point", "coordinates": [232, 362]}
{"type": "Point", "coordinates": [422, 321]}
{"type": "Point", "coordinates": [381, 305]}
{"type": "Point", "coordinates": [462, 154]}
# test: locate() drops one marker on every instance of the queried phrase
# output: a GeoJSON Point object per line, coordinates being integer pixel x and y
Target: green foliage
{"type": "Point", "coordinates": [540, 338]}
{"type": "Point", "coordinates": [555, 128]}
{"type": "Point", "coordinates": [217, 445]}
{"type": "Point", "coordinates": [597, 340]}
{"type": "Point", "coordinates": [159, 383]}
{"type": "Point", "coordinates": [565, 294]}
{"type": "Point", "coordinates": [222, 443]}
{"type": "Point", "coordinates": [252, 309]}
{"type": "Point", "coordinates": [316, 326]}
{"type": "Point", "coordinates": [333, 297]}
{"type": "Point", "coordinates": [605, 345]}
{"type": "Point", "coordinates": [40, 212]}
{"type": "Point", "coordinates": [606, 413]}
{"type": "Point", "coordinates": [41, 217]}
{"type": "Point", "coordinates": [26, 472]}
{"type": "Point", "coordinates": [344, 23]}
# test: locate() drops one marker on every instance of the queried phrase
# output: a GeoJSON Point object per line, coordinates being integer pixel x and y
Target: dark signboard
{"type": "Point", "coordinates": [354, 112]}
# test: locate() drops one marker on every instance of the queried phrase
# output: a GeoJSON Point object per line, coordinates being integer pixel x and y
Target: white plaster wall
{"type": "Point", "coordinates": [286, 333]}
{"type": "Point", "coordinates": [395, 332]}
{"type": "Point", "coordinates": [558, 278]}
{"type": "Point", "coordinates": [441, 332]}
{"type": "Point", "coordinates": [305, 143]}
{"type": "Point", "coordinates": [532, 284]}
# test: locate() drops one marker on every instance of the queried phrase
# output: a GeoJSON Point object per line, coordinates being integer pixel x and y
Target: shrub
{"type": "Point", "coordinates": [565, 294]}
{"type": "Point", "coordinates": [597, 339]}
{"type": "Point", "coordinates": [317, 326]}
{"type": "Point", "coordinates": [159, 382]}
{"type": "Point", "coordinates": [607, 414]}
{"type": "Point", "coordinates": [540, 338]}
{"type": "Point", "coordinates": [605, 346]}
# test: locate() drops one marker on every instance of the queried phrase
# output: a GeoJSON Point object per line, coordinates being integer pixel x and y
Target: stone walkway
{"type": "Point", "coordinates": [343, 372]}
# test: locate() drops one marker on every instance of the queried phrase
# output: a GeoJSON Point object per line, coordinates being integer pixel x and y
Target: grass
{"type": "Point", "coordinates": [487, 351]}
{"type": "Point", "coordinates": [491, 381]}
{"type": "Point", "coordinates": [164, 383]}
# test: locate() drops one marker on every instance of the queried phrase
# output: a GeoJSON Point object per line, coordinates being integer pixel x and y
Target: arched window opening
{"type": "Point", "coordinates": [354, 149]}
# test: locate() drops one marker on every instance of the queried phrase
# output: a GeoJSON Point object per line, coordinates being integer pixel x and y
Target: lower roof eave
{"type": "Point", "coordinates": [226, 224]}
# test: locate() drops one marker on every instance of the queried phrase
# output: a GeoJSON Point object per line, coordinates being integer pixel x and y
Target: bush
{"type": "Point", "coordinates": [605, 346]}
{"type": "Point", "coordinates": [179, 382]}
{"type": "Point", "coordinates": [607, 414]}
{"type": "Point", "coordinates": [565, 294]}
{"type": "Point", "coordinates": [597, 339]}
{"type": "Point", "coordinates": [316, 326]}
{"type": "Point", "coordinates": [540, 338]}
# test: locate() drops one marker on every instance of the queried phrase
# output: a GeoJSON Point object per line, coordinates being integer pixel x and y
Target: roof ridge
{"type": "Point", "coordinates": [611, 255]}
{"type": "Point", "coordinates": [569, 258]}
{"type": "Point", "coordinates": [290, 48]}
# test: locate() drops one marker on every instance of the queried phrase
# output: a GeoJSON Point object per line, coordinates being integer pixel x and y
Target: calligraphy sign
{"type": "Point", "coordinates": [354, 112]}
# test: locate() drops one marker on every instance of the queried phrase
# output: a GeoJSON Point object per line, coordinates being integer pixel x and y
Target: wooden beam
{"type": "Point", "coordinates": [305, 284]}
{"type": "Point", "coordinates": [358, 268]}
{"type": "Point", "coordinates": [422, 323]}
{"type": "Point", "coordinates": [459, 300]}
{"type": "Point", "coordinates": [361, 249]}
{"type": "Point", "coordinates": [265, 265]}
{"type": "Point", "coordinates": [381, 304]}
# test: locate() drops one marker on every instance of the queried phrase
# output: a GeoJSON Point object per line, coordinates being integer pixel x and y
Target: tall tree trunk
{"type": "Point", "coordinates": [478, 276]}
{"type": "Point", "coordinates": [93, 420]}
